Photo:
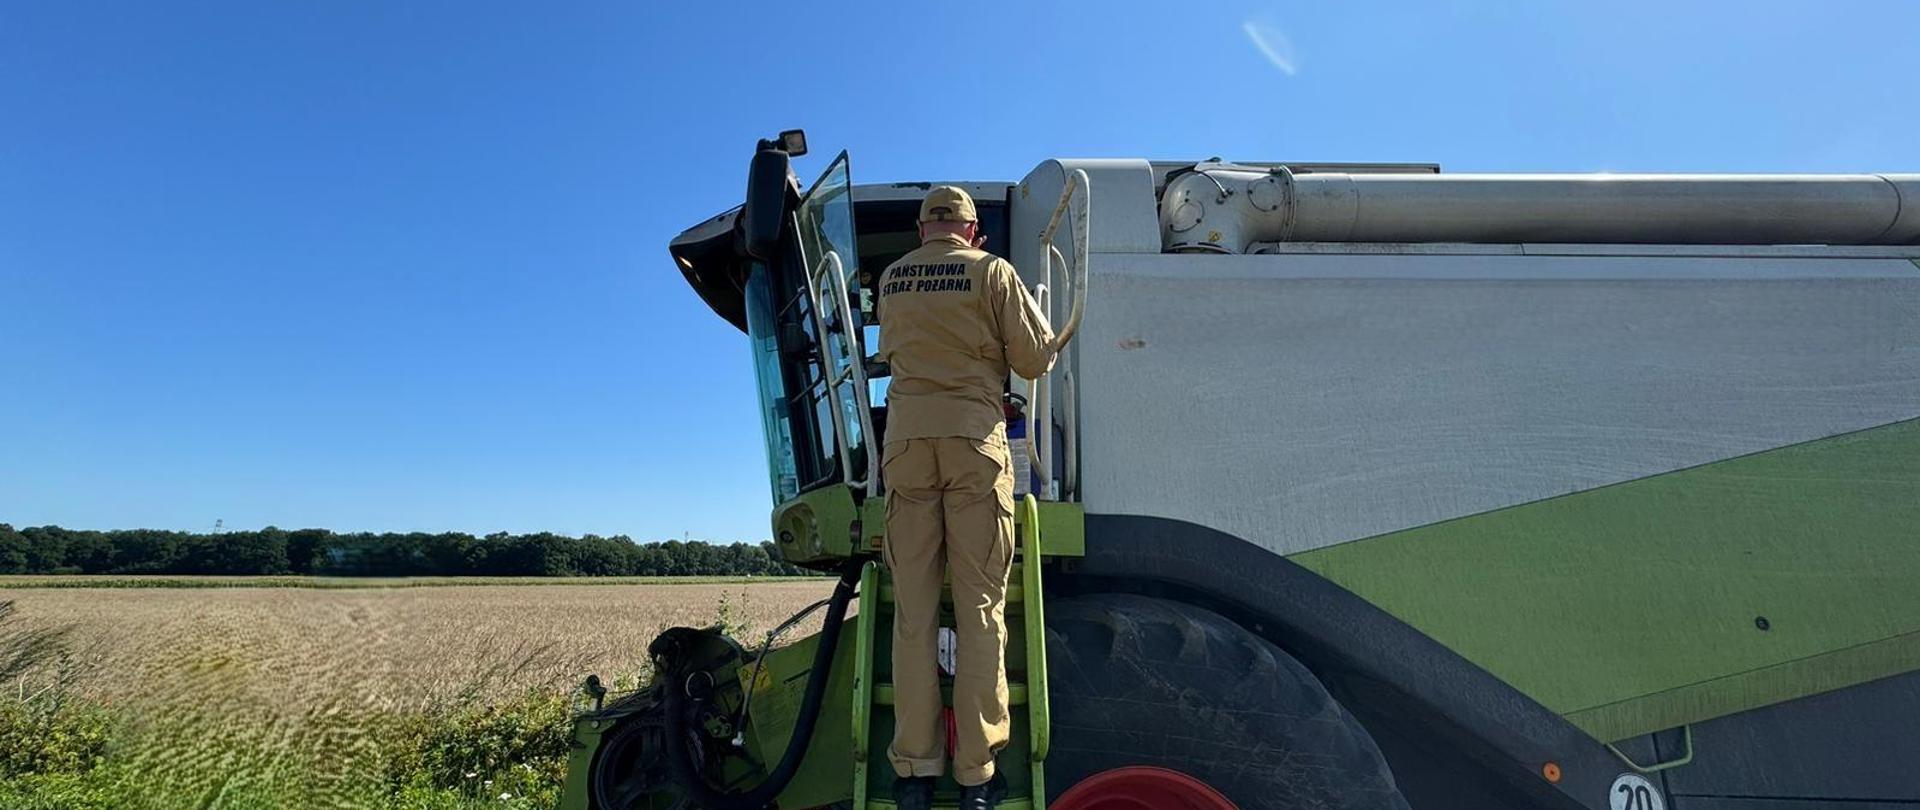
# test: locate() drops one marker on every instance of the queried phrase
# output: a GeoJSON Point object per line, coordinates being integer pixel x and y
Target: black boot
{"type": "Point", "coordinates": [913, 793]}
{"type": "Point", "coordinates": [984, 797]}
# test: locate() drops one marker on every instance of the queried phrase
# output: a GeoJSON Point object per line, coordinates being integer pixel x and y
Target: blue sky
{"type": "Point", "coordinates": [396, 266]}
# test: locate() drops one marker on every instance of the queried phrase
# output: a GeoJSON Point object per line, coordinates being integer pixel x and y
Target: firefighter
{"type": "Point", "coordinates": [954, 321]}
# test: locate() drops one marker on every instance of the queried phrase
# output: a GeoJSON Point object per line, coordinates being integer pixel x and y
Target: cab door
{"type": "Point", "coordinates": [828, 258]}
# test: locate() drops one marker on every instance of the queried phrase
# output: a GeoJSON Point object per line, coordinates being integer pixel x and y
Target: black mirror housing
{"type": "Point", "coordinates": [765, 212]}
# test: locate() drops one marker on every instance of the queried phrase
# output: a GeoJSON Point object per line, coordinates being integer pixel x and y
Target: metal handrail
{"type": "Point", "coordinates": [1069, 443]}
{"type": "Point", "coordinates": [1041, 402]}
{"type": "Point", "coordinates": [1076, 283]}
{"type": "Point", "coordinates": [833, 394]}
{"type": "Point", "coordinates": [857, 366]}
{"type": "Point", "coordinates": [1069, 404]}
{"type": "Point", "coordinates": [1074, 276]}
{"type": "Point", "coordinates": [830, 268]}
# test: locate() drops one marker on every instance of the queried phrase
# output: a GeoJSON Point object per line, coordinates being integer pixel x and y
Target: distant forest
{"type": "Point", "coordinates": [54, 550]}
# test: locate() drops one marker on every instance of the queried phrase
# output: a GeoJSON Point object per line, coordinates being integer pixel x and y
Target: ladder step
{"type": "Point", "coordinates": [1016, 694]}
{"type": "Point", "coordinates": [1025, 607]}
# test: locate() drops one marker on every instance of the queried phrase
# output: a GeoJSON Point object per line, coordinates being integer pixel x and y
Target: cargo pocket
{"type": "Point", "coordinates": [994, 448]}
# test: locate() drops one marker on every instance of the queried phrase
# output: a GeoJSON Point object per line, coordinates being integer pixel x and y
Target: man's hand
{"type": "Point", "coordinates": [980, 242]}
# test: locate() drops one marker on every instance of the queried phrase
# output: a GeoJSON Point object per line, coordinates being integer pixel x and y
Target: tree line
{"type": "Point", "coordinates": [55, 550]}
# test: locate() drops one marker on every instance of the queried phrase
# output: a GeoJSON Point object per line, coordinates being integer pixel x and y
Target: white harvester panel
{"type": "Point", "coordinates": [1313, 398]}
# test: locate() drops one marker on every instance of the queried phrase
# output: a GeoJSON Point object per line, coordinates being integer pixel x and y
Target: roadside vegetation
{"type": "Point", "coordinates": [64, 752]}
{"type": "Point", "coordinates": [319, 552]}
{"type": "Point", "coordinates": [324, 583]}
{"type": "Point", "coordinates": [431, 698]}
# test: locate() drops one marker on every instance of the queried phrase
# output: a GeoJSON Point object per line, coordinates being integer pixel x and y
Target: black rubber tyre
{"type": "Point", "coordinates": [629, 771]}
{"type": "Point", "coordinates": [1141, 681]}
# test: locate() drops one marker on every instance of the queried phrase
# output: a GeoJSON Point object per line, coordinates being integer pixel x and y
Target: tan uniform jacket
{"type": "Point", "coordinates": [953, 321]}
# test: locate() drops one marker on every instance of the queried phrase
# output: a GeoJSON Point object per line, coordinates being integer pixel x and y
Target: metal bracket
{"type": "Point", "coordinates": [1686, 738]}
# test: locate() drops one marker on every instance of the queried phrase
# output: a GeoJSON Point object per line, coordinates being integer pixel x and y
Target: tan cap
{"type": "Point", "coordinates": [947, 204]}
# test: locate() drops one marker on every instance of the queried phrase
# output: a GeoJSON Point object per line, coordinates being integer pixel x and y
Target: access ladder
{"type": "Point", "coordinates": [1021, 763]}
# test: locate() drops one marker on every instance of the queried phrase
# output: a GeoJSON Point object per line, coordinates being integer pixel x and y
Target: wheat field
{"type": "Point", "coordinates": [236, 692]}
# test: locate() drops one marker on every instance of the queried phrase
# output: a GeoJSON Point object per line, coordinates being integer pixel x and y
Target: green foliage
{"type": "Point", "coordinates": [60, 751]}
{"type": "Point", "coordinates": [44, 735]}
{"type": "Point", "coordinates": [513, 752]}
{"type": "Point", "coordinates": [64, 791]}
{"type": "Point", "coordinates": [425, 798]}
{"type": "Point", "coordinates": [504, 755]}
{"type": "Point", "coordinates": [51, 735]}
{"type": "Point", "coordinates": [192, 581]}
{"type": "Point", "coordinates": [271, 551]}
{"type": "Point", "coordinates": [736, 618]}
{"type": "Point", "coordinates": [15, 552]}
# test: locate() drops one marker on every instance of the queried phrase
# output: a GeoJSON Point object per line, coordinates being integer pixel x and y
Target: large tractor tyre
{"type": "Point", "coordinates": [1138, 681]}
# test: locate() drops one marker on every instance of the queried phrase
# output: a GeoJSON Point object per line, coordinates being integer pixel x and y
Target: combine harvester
{"type": "Point", "coordinates": [1362, 486]}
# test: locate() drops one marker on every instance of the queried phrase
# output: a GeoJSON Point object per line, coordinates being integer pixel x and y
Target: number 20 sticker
{"type": "Point", "coordinates": [1631, 791]}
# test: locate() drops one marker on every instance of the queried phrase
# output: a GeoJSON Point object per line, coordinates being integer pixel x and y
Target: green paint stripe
{"type": "Point", "coordinates": [1719, 697]}
{"type": "Point", "coordinates": [1478, 516]}
{"type": "Point", "coordinates": [1633, 606]}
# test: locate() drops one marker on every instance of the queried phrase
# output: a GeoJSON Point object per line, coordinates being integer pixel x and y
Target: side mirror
{"type": "Point", "coordinates": [765, 211]}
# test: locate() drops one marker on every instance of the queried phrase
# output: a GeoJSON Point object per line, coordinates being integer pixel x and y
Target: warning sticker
{"type": "Point", "coordinates": [753, 682]}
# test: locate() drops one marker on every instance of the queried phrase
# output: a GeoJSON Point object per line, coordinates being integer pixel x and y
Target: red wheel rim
{"type": "Point", "coordinates": [1142, 788]}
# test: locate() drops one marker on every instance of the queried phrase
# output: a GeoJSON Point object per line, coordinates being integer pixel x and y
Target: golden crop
{"type": "Point", "coordinates": [224, 687]}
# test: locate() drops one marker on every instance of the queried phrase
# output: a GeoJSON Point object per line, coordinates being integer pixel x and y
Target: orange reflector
{"type": "Point", "coordinates": [1551, 771]}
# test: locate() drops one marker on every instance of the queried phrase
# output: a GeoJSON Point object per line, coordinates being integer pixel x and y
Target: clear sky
{"type": "Point", "coordinates": [397, 266]}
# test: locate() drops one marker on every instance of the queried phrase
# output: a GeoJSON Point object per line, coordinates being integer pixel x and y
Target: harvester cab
{"type": "Point", "coordinates": [808, 723]}
{"type": "Point", "coordinates": [1364, 486]}
{"type": "Point", "coordinates": [792, 270]}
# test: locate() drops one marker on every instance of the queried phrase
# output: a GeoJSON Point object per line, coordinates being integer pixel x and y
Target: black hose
{"type": "Point", "coordinates": [687, 773]}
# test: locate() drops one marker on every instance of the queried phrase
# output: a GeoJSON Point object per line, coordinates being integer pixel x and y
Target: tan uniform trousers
{"type": "Point", "coordinates": [949, 506]}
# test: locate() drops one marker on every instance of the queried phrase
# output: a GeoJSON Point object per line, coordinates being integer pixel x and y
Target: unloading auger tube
{"type": "Point", "coordinates": [1227, 208]}
{"type": "Point", "coordinates": [686, 773]}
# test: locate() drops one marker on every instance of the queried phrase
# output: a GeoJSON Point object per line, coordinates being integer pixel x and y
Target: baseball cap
{"type": "Point", "coordinates": [947, 204]}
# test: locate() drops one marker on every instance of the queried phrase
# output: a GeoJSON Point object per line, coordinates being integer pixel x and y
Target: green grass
{"type": "Point", "coordinates": [239, 715]}
{"type": "Point", "coordinates": [170, 581]}
{"type": "Point", "coordinates": [508, 755]}
{"type": "Point", "coordinates": [63, 749]}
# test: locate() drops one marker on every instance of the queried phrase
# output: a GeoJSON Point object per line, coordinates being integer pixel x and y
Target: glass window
{"type": "Point", "coordinates": [764, 336]}
{"type": "Point", "coordinates": [813, 419]}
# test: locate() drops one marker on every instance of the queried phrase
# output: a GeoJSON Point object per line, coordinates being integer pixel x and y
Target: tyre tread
{"type": "Point", "coordinates": [1143, 681]}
